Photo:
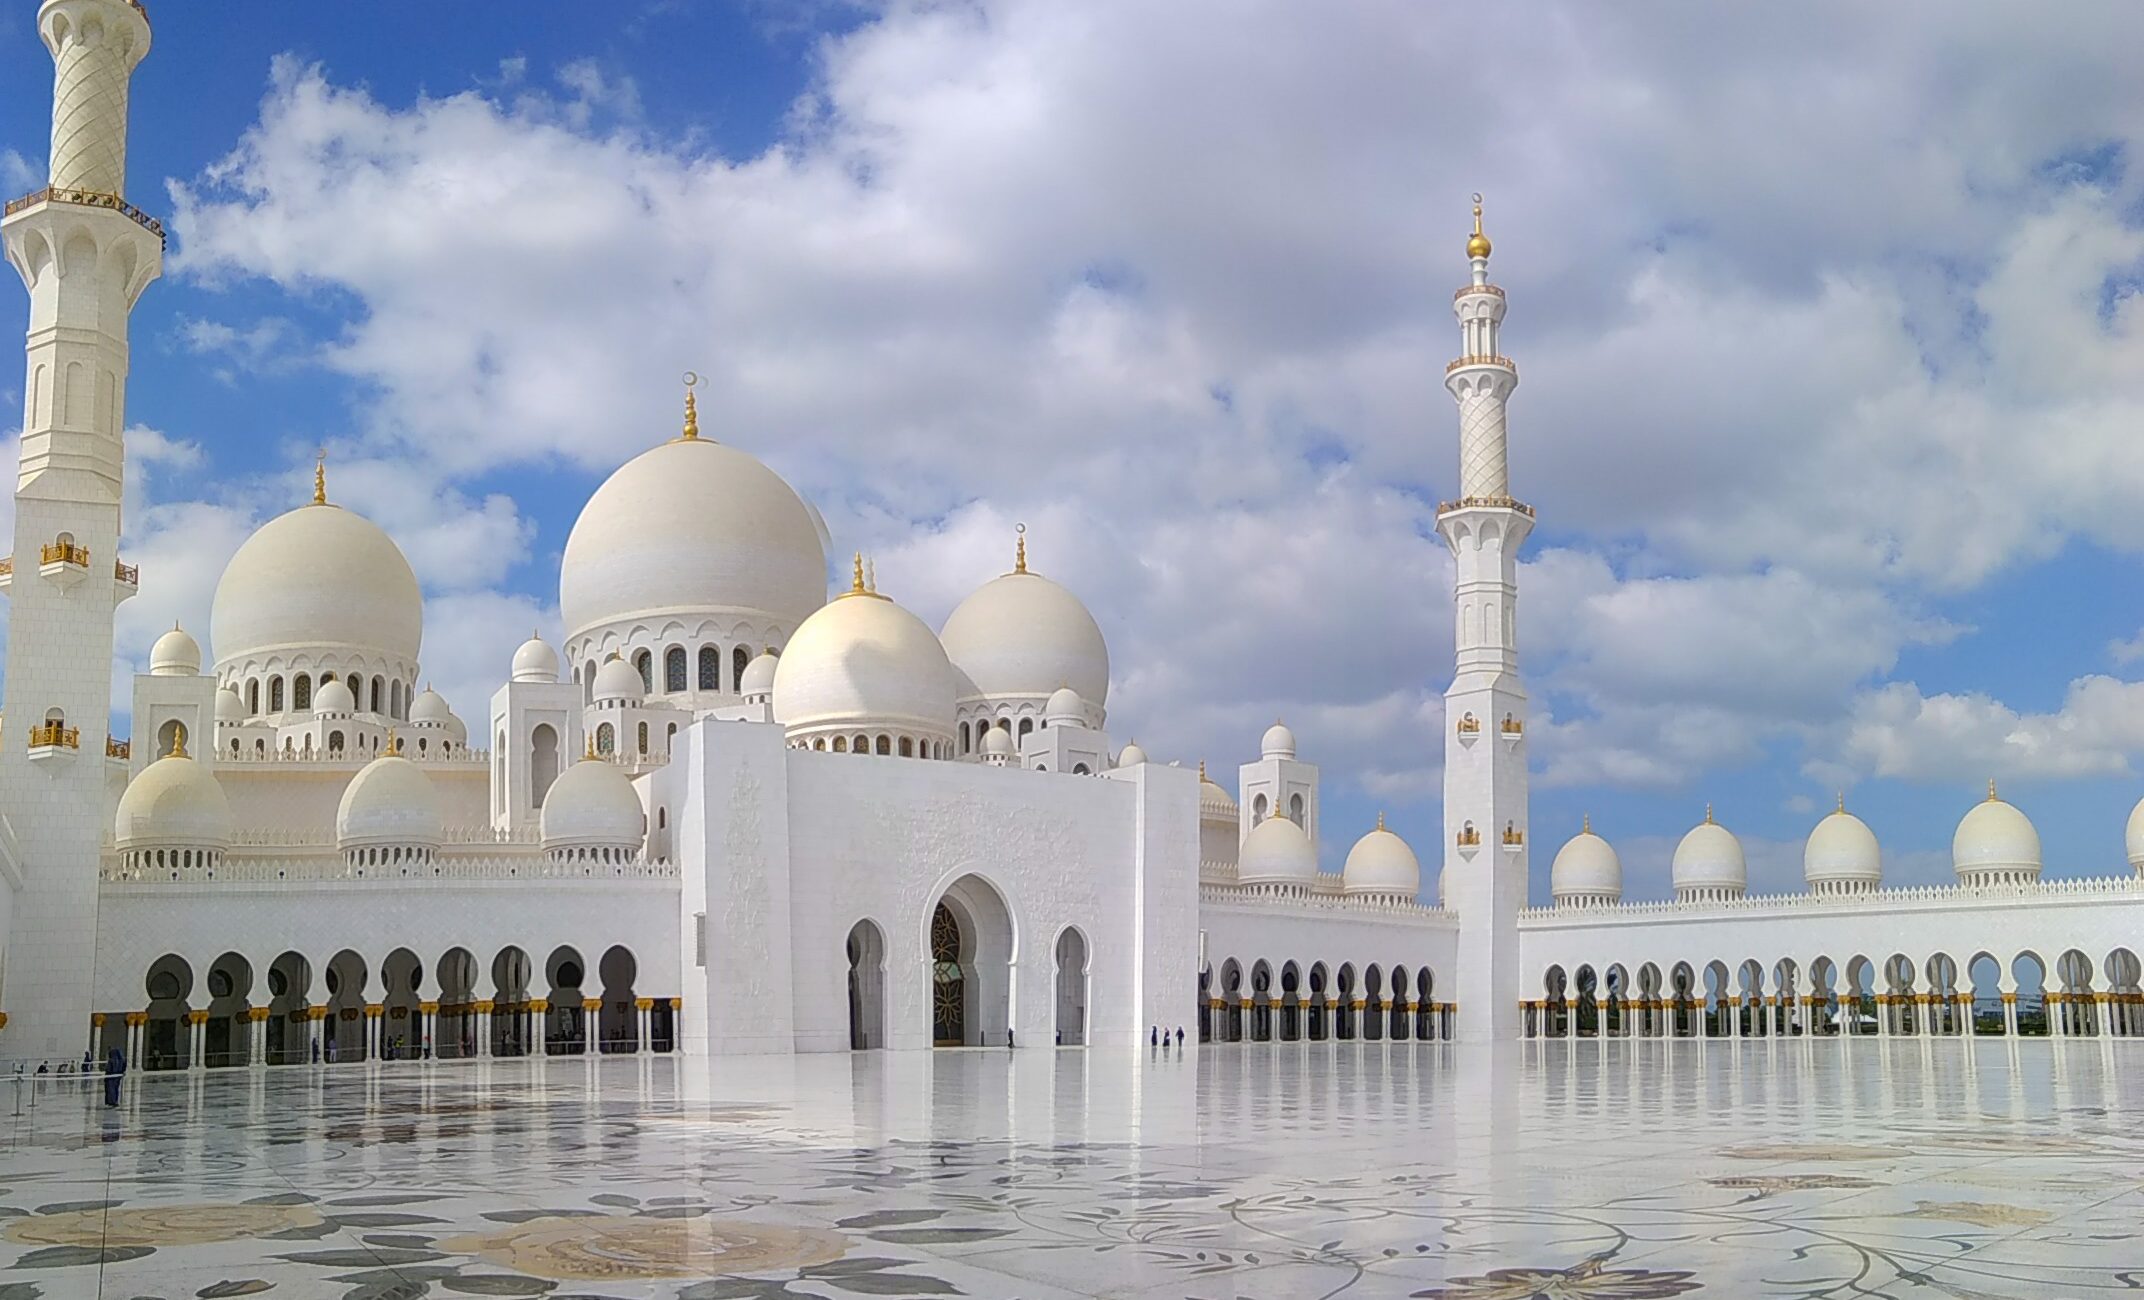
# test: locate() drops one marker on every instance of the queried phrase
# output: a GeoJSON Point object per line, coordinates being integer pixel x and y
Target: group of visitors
{"type": "Point", "coordinates": [1156, 1036]}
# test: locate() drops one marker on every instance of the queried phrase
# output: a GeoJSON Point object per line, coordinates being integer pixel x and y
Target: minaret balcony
{"type": "Point", "coordinates": [1485, 503]}
{"type": "Point", "coordinates": [1467, 289]}
{"type": "Point", "coordinates": [7, 573]}
{"type": "Point", "coordinates": [1501, 363]}
{"type": "Point", "coordinates": [52, 740]}
{"type": "Point", "coordinates": [119, 749]}
{"type": "Point", "coordinates": [88, 199]}
{"type": "Point", "coordinates": [63, 562]}
{"type": "Point", "coordinates": [126, 580]}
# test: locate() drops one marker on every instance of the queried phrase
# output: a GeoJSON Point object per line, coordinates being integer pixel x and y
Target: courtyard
{"type": "Point", "coordinates": [1615, 1170]}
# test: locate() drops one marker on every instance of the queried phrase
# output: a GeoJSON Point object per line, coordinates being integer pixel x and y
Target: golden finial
{"type": "Point", "coordinates": [1842, 801]}
{"type": "Point", "coordinates": [856, 584]}
{"type": "Point", "coordinates": [1380, 819]}
{"type": "Point", "coordinates": [178, 740]}
{"type": "Point", "coordinates": [1202, 769]}
{"type": "Point", "coordinates": [1708, 814]}
{"type": "Point", "coordinates": [1585, 823]}
{"type": "Point", "coordinates": [1991, 789]}
{"type": "Point", "coordinates": [871, 576]}
{"type": "Point", "coordinates": [1019, 548]}
{"type": "Point", "coordinates": [1478, 246]}
{"type": "Point", "coordinates": [692, 408]}
{"type": "Point", "coordinates": [591, 753]}
{"type": "Point", "coordinates": [320, 477]}
{"type": "Point", "coordinates": [394, 744]}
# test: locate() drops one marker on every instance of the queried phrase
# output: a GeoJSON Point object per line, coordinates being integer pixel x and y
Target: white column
{"type": "Point", "coordinates": [483, 1032]}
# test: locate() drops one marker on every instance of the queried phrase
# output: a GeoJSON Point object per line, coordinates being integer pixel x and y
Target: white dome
{"type": "Point", "coordinates": [174, 803]}
{"type": "Point", "coordinates": [535, 661]}
{"type": "Point", "coordinates": [592, 804]}
{"type": "Point", "coordinates": [997, 741]}
{"type": "Point", "coordinates": [229, 708]}
{"type": "Point", "coordinates": [2133, 837]}
{"type": "Point", "coordinates": [1381, 863]}
{"type": "Point", "coordinates": [334, 697]}
{"type": "Point", "coordinates": [1022, 634]}
{"type": "Point", "coordinates": [319, 576]}
{"type": "Point", "coordinates": [1277, 852]}
{"type": "Point", "coordinates": [863, 659]}
{"type": "Point", "coordinates": [1216, 805]}
{"type": "Point", "coordinates": [619, 680]}
{"type": "Point", "coordinates": [1710, 858]}
{"type": "Point", "coordinates": [1842, 849]}
{"type": "Point", "coordinates": [689, 527]}
{"type": "Point", "coordinates": [1995, 838]}
{"type": "Point", "coordinates": [430, 706]}
{"type": "Point", "coordinates": [1131, 755]}
{"type": "Point", "coordinates": [758, 678]}
{"type": "Point", "coordinates": [1278, 742]}
{"type": "Point", "coordinates": [1586, 867]}
{"type": "Point", "coordinates": [175, 654]}
{"type": "Point", "coordinates": [389, 801]}
{"type": "Point", "coordinates": [1064, 705]}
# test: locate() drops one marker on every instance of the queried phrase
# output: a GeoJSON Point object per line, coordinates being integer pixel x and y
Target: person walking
{"type": "Point", "coordinates": [115, 1069]}
{"type": "Point", "coordinates": [1179, 1038]}
{"type": "Point", "coordinates": [1153, 1035]}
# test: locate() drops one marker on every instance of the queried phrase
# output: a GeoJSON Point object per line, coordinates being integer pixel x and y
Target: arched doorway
{"type": "Point", "coordinates": [229, 1031]}
{"type": "Point", "coordinates": [971, 956]}
{"type": "Point", "coordinates": [402, 1031]}
{"type": "Point", "coordinates": [454, 1027]}
{"type": "Point", "coordinates": [345, 1026]}
{"type": "Point", "coordinates": [510, 971]}
{"type": "Point", "coordinates": [290, 1034]}
{"type": "Point", "coordinates": [618, 1026]}
{"type": "Point", "coordinates": [565, 1024]}
{"type": "Point", "coordinates": [1071, 988]}
{"type": "Point", "coordinates": [867, 985]}
{"type": "Point", "coordinates": [166, 1039]}
{"type": "Point", "coordinates": [543, 762]}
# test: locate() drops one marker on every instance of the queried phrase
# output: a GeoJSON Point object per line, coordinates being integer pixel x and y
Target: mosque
{"type": "Point", "coordinates": [729, 814]}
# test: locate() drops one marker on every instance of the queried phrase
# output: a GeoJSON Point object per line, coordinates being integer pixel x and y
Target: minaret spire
{"type": "Point", "coordinates": [1484, 770]}
{"type": "Point", "coordinates": [70, 484]}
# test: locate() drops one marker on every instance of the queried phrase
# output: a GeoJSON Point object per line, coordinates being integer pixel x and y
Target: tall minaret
{"type": "Point", "coordinates": [86, 255]}
{"type": "Point", "coordinates": [1485, 709]}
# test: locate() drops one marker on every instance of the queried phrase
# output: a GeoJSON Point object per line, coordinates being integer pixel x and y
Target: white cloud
{"type": "Point", "coordinates": [1896, 731]}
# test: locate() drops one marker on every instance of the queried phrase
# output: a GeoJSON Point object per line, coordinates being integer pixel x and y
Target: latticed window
{"type": "Point", "coordinates": [948, 986]}
{"type": "Point", "coordinates": [301, 692]}
{"type": "Point", "coordinates": [739, 659]}
{"type": "Point", "coordinates": [710, 668]}
{"type": "Point", "coordinates": [674, 669]}
{"type": "Point", "coordinates": [606, 740]}
{"type": "Point", "coordinates": [643, 738]}
{"type": "Point", "coordinates": [644, 664]}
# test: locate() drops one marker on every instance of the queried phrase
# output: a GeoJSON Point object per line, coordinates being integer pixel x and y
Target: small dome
{"type": "Point", "coordinates": [619, 680]}
{"type": "Point", "coordinates": [1381, 863]}
{"type": "Point", "coordinates": [175, 654]}
{"type": "Point", "coordinates": [687, 528]}
{"type": "Point", "coordinates": [863, 659]}
{"type": "Point", "coordinates": [319, 577]}
{"type": "Point", "coordinates": [1023, 635]}
{"type": "Point", "coordinates": [997, 741]}
{"type": "Point", "coordinates": [1216, 805]}
{"type": "Point", "coordinates": [1586, 869]}
{"type": "Point", "coordinates": [2133, 837]}
{"type": "Point", "coordinates": [229, 708]}
{"type": "Point", "coordinates": [430, 706]}
{"type": "Point", "coordinates": [334, 697]}
{"type": "Point", "coordinates": [1842, 850]}
{"type": "Point", "coordinates": [174, 803]}
{"type": "Point", "coordinates": [1277, 852]}
{"type": "Point", "coordinates": [1278, 742]}
{"type": "Point", "coordinates": [758, 679]}
{"type": "Point", "coordinates": [389, 801]}
{"type": "Point", "coordinates": [535, 661]}
{"type": "Point", "coordinates": [1064, 706]}
{"type": "Point", "coordinates": [1995, 839]}
{"type": "Point", "coordinates": [1710, 859]}
{"type": "Point", "coordinates": [1131, 755]}
{"type": "Point", "coordinates": [592, 805]}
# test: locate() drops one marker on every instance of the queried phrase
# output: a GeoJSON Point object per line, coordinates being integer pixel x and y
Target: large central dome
{"type": "Point", "coordinates": [319, 578]}
{"type": "Point", "coordinates": [689, 527]}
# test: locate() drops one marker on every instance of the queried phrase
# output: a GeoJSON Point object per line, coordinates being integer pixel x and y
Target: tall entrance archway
{"type": "Point", "coordinates": [971, 962]}
{"type": "Point", "coordinates": [867, 983]}
{"type": "Point", "coordinates": [1071, 988]}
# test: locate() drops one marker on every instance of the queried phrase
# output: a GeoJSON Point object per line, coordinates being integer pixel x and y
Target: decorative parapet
{"type": "Point", "coordinates": [48, 735]}
{"type": "Point", "coordinates": [91, 198]}
{"type": "Point", "coordinates": [324, 837]}
{"type": "Point", "coordinates": [332, 869]}
{"type": "Point", "coordinates": [1468, 290]}
{"type": "Point", "coordinates": [1506, 363]}
{"type": "Point", "coordinates": [1485, 503]}
{"type": "Point", "coordinates": [115, 748]}
{"type": "Point", "coordinates": [1912, 897]}
{"type": "Point", "coordinates": [1378, 906]}
{"type": "Point", "coordinates": [63, 553]}
{"type": "Point", "coordinates": [130, 574]}
{"type": "Point", "coordinates": [352, 759]}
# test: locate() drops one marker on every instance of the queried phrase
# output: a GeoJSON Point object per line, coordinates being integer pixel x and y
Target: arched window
{"type": "Point", "coordinates": [606, 739]}
{"type": "Point", "coordinates": [885, 745]}
{"type": "Point", "coordinates": [841, 744]}
{"type": "Point", "coordinates": [674, 669]}
{"type": "Point", "coordinates": [357, 687]}
{"type": "Point", "coordinates": [908, 747]}
{"type": "Point", "coordinates": [420, 746]}
{"type": "Point", "coordinates": [1295, 808]}
{"type": "Point", "coordinates": [335, 742]}
{"type": "Point", "coordinates": [670, 739]}
{"type": "Point", "coordinates": [260, 747]}
{"type": "Point", "coordinates": [710, 668]}
{"type": "Point", "coordinates": [739, 658]}
{"type": "Point", "coordinates": [253, 696]}
{"type": "Point", "coordinates": [643, 740]}
{"type": "Point", "coordinates": [1080, 769]}
{"type": "Point", "coordinates": [820, 743]}
{"type": "Point", "coordinates": [588, 683]}
{"type": "Point", "coordinates": [394, 699]}
{"type": "Point", "coordinates": [964, 739]}
{"type": "Point", "coordinates": [301, 692]}
{"type": "Point", "coordinates": [1027, 728]}
{"type": "Point", "coordinates": [379, 694]}
{"type": "Point", "coordinates": [275, 695]}
{"type": "Point", "coordinates": [644, 664]}
{"type": "Point", "coordinates": [862, 745]}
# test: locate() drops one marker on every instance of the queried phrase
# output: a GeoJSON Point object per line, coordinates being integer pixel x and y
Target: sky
{"type": "Point", "coordinates": [1827, 319]}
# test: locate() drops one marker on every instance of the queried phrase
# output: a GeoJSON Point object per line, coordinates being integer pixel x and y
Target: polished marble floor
{"type": "Point", "coordinates": [1588, 1171]}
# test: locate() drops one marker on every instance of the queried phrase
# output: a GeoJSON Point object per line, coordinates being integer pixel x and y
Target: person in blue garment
{"type": "Point", "coordinates": [115, 1069]}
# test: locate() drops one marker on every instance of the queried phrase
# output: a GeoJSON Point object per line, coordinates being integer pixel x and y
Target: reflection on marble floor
{"type": "Point", "coordinates": [1588, 1171]}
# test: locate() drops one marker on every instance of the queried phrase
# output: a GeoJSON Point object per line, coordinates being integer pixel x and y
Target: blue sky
{"type": "Point", "coordinates": [1832, 364]}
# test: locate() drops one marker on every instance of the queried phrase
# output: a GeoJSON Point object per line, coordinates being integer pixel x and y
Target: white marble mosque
{"type": "Point", "coordinates": [732, 816]}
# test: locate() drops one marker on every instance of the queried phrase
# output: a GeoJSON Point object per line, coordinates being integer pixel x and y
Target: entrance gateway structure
{"type": "Point", "coordinates": [729, 814]}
